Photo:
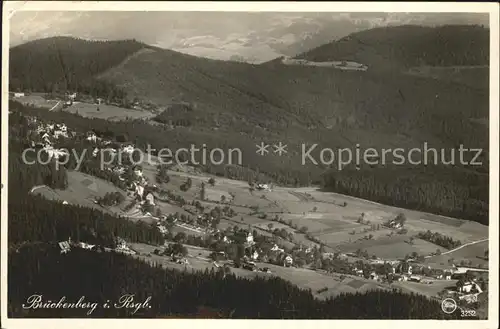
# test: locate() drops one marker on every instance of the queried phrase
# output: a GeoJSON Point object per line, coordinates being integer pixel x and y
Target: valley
{"type": "Point", "coordinates": [303, 235]}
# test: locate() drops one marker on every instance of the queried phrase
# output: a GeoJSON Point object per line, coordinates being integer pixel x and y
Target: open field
{"type": "Point", "coordinates": [314, 280]}
{"type": "Point", "coordinates": [36, 100]}
{"type": "Point", "coordinates": [198, 259]}
{"type": "Point", "coordinates": [108, 112]}
{"type": "Point", "coordinates": [318, 211]}
{"type": "Point", "coordinates": [327, 219]}
{"type": "Point", "coordinates": [463, 230]}
{"type": "Point", "coordinates": [324, 216]}
{"type": "Point", "coordinates": [473, 253]}
{"type": "Point", "coordinates": [307, 279]}
{"type": "Point", "coordinates": [430, 290]}
{"type": "Point", "coordinates": [399, 250]}
{"type": "Point", "coordinates": [82, 190]}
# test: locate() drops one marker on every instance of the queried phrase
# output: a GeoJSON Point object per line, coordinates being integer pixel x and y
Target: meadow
{"type": "Point", "coordinates": [105, 111]}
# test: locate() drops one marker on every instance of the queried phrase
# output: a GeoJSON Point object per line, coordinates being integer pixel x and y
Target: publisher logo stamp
{"type": "Point", "coordinates": [448, 305]}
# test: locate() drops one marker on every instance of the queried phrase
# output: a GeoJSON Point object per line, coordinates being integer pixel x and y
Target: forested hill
{"type": "Point", "coordinates": [65, 62]}
{"type": "Point", "coordinates": [239, 105]}
{"type": "Point", "coordinates": [181, 294]}
{"type": "Point", "coordinates": [409, 45]}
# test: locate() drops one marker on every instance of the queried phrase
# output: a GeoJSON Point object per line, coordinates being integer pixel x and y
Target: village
{"type": "Point", "coordinates": [243, 247]}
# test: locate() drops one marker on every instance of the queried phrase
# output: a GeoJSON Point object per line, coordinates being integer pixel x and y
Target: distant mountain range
{"type": "Point", "coordinates": [240, 36]}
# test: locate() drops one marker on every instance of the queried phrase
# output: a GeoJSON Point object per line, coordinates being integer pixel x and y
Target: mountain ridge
{"type": "Point", "coordinates": [243, 104]}
{"type": "Point", "coordinates": [409, 45]}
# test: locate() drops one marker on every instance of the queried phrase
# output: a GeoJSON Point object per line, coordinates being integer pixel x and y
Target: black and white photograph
{"type": "Point", "coordinates": [293, 161]}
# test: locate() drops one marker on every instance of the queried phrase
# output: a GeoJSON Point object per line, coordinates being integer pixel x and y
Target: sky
{"type": "Point", "coordinates": [251, 36]}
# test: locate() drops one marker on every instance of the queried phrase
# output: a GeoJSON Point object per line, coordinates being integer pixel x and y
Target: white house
{"type": "Point", "coordinates": [138, 172]}
{"type": "Point", "coordinates": [85, 245]}
{"type": "Point", "coordinates": [95, 151]}
{"type": "Point", "coordinates": [163, 229]}
{"type": "Point", "coordinates": [466, 287]}
{"type": "Point", "coordinates": [288, 260]}
{"type": "Point", "coordinates": [150, 198]}
{"type": "Point", "coordinates": [91, 136]}
{"type": "Point", "coordinates": [139, 190]}
{"type": "Point", "coordinates": [262, 186]}
{"type": "Point", "coordinates": [58, 133]}
{"type": "Point", "coordinates": [255, 255]}
{"type": "Point", "coordinates": [357, 271]}
{"type": "Point", "coordinates": [393, 224]}
{"type": "Point", "coordinates": [128, 149]}
{"type": "Point", "coordinates": [121, 246]}
{"type": "Point", "coordinates": [276, 248]}
{"type": "Point", "coordinates": [60, 130]}
{"type": "Point", "coordinates": [119, 170]}
{"type": "Point", "coordinates": [415, 278]}
{"type": "Point", "coordinates": [56, 153]}
{"type": "Point", "coordinates": [18, 95]}
{"type": "Point", "coordinates": [64, 246]}
{"type": "Point", "coordinates": [250, 237]}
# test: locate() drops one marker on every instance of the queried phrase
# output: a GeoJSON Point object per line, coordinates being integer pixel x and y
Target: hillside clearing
{"type": "Point", "coordinates": [108, 112]}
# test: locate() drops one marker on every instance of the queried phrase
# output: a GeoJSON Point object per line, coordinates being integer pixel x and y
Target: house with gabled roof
{"type": "Point", "coordinates": [129, 149]}
{"type": "Point", "coordinates": [276, 248]}
{"type": "Point", "coordinates": [250, 237]}
{"type": "Point", "coordinates": [64, 246]}
{"type": "Point", "coordinates": [150, 199]}
{"type": "Point", "coordinates": [91, 136]}
{"type": "Point", "coordinates": [85, 245]}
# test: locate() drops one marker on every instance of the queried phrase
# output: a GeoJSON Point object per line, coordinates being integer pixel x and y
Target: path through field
{"type": "Point", "coordinates": [460, 247]}
{"type": "Point", "coordinates": [53, 107]}
{"type": "Point", "coordinates": [34, 188]}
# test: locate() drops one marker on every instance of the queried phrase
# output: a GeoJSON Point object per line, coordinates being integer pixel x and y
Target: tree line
{"type": "Point", "coordinates": [434, 190]}
{"type": "Point", "coordinates": [439, 239]}
{"type": "Point", "coordinates": [174, 293]}
{"type": "Point", "coordinates": [34, 218]}
{"type": "Point", "coordinates": [457, 192]}
{"type": "Point", "coordinates": [62, 64]}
